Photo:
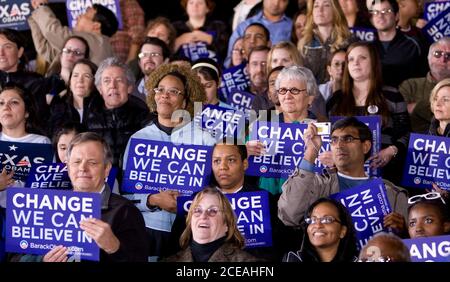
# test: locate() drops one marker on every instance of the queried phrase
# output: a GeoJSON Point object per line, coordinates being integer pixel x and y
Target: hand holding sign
{"type": "Point", "coordinates": [6, 179]}
{"type": "Point", "coordinates": [382, 158]}
{"type": "Point", "coordinates": [313, 143]}
{"type": "Point", "coordinates": [166, 200]}
{"type": "Point", "coordinates": [255, 148]}
{"type": "Point", "coordinates": [396, 222]}
{"type": "Point", "coordinates": [102, 234]}
{"type": "Point", "coordinates": [57, 254]}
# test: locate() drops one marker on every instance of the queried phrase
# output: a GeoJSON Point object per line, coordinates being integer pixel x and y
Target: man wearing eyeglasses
{"type": "Point", "coordinates": [153, 53]}
{"type": "Point", "coordinates": [351, 143]}
{"type": "Point", "coordinates": [416, 91]}
{"type": "Point", "coordinates": [96, 25]}
{"type": "Point", "coordinates": [400, 55]}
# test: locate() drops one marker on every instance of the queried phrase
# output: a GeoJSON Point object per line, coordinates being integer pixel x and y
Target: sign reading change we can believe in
{"type": "Point", "coordinates": [154, 166]}
{"type": "Point", "coordinates": [367, 205]}
{"type": "Point", "coordinates": [39, 219]}
{"type": "Point", "coordinates": [252, 215]}
{"type": "Point", "coordinates": [76, 8]}
{"type": "Point", "coordinates": [284, 148]}
{"type": "Point", "coordinates": [428, 161]}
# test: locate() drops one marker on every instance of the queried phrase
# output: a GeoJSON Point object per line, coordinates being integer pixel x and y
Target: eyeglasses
{"type": "Point", "coordinates": [438, 54]}
{"type": "Point", "coordinates": [240, 51]}
{"type": "Point", "coordinates": [427, 196]}
{"type": "Point", "coordinates": [211, 212]}
{"type": "Point", "coordinates": [382, 12]}
{"type": "Point", "coordinates": [346, 139]}
{"type": "Point", "coordinates": [171, 91]}
{"type": "Point", "coordinates": [293, 90]}
{"type": "Point", "coordinates": [73, 52]}
{"type": "Point", "coordinates": [148, 54]}
{"type": "Point", "coordinates": [328, 219]}
{"type": "Point", "coordinates": [376, 259]}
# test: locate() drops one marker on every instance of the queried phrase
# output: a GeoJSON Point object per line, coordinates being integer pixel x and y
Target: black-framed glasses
{"type": "Point", "coordinates": [328, 219]}
{"type": "Point", "coordinates": [334, 140]}
{"type": "Point", "coordinates": [427, 196]}
{"type": "Point", "coordinates": [73, 52]}
{"type": "Point", "coordinates": [439, 53]}
{"type": "Point", "coordinates": [211, 212]}
{"type": "Point", "coordinates": [149, 55]}
{"type": "Point", "coordinates": [171, 91]}
{"type": "Point", "coordinates": [381, 12]}
{"type": "Point", "coordinates": [293, 90]}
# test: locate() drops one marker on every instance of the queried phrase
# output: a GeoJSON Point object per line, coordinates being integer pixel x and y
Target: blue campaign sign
{"type": "Point", "coordinates": [234, 79]}
{"type": "Point", "coordinates": [75, 8]}
{"type": "Point", "coordinates": [252, 214]}
{"type": "Point", "coordinates": [439, 27]}
{"type": "Point", "coordinates": [429, 249]}
{"type": "Point", "coordinates": [21, 157]}
{"type": "Point", "coordinates": [433, 9]}
{"type": "Point", "coordinates": [55, 176]}
{"type": "Point", "coordinates": [427, 161]}
{"type": "Point", "coordinates": [39, 219]}
{"type": "Point", "coordinates": [14, 14]}
{"type": "Point", "coordinates": [221, 122]}
{"type": "Point", "coordinates": [367, 204]}
{"type": "Point", "coordinates": [364, 34]}
{"type": "Point", "coordinates": [374, 123]}
{"type": "Point", "coordinates": [284, 149]}
{"type": "Point", "coordinates": [197, 50]}
{"type": "Point", "coordinates": [155, 166]}
{"type": "Point", "coordinates": [241, 101]}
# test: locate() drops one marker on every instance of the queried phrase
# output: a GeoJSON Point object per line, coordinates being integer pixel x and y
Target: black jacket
{"type": "Point", "coordinates": [128, 226]}
{"type": "Point", "coordinates": [116, 125]}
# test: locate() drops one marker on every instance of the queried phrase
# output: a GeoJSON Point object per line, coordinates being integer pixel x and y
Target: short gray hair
{"type": "Point", "coordinates": [113, 62]}
{"type": "Point", "coordinates": [301, 74]}
{"type": "Point", "coordinates": [94, 137]}
{"type": "Point", "coordinates": [442, 41]}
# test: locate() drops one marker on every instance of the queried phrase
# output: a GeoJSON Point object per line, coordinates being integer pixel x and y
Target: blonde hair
{"type": "Point", "coordinates": [443, 83]}
{"type": "Point", "coordinates": [339, 34]}
{"type": "Point", "coordinates": [292, 50]}
{"type": "Point", "coordinates": [233, 235]}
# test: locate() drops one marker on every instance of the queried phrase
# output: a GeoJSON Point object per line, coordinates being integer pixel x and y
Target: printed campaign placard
{"type": "Point", "coordinates": [221, 122]}
{"type": "Point", "coordinates": [364, 34]}
{"type": "Point", "coordinates": [39, 219]}
{"type": "Point", "coordinates": [284, 149]}
{"type": "Point", "coordinates": [374, 124]}
{"type": "Point", "coordinates": [433, 9]}
{"type": "Point", "coordinates": [234, 79]}
{"type": "Point", "coordinates": [21, 157]}
{"type": "Point", "coordinates": [367, 204]}
{"type": "Point", "coordinates": [439, 27]}
{"type": "Point", "coordinates": [197, 50]}
{"type": "Point", "coordinates": [75, 8]}
{"type": "Point", "coordinates": [14, 14]}
{"type": "Point", "coordinates": [241, 101]}
{"type": "Point", "coordinates": [427, 161]}
{"type": "Point", "coordinates": [252, 214]}
{"type": "Point", "coordinates": [429, 249]}
{"type": "Point", "coordinates": [155, 166]}
{"type": "Point", "coordinates": [55, 176]}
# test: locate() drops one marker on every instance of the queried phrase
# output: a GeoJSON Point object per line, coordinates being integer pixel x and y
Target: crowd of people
{"type": "Point", "coordinates": [92, 89]}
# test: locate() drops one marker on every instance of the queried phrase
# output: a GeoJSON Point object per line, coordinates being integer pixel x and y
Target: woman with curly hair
{"type": "Point", "coordinates": [173, 90]}
{"type": "Point", "coordinates": [326, 31]}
